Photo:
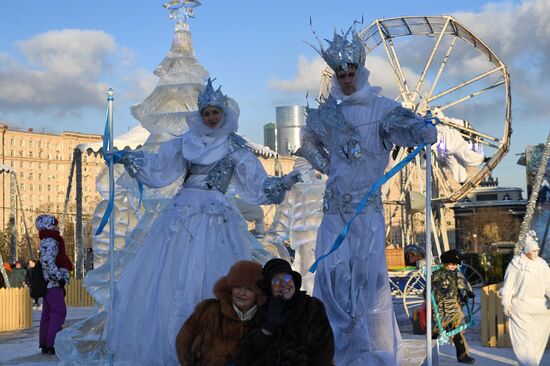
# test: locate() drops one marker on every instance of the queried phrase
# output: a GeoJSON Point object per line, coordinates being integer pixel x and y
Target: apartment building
{"type": "Point", "coordinates": [42, 164]}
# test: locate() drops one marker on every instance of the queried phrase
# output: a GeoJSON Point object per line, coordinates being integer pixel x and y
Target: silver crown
{"type": "Point", "coordinates": [211, 97]}
{"type": "Point", "coordinates": [342, 51]}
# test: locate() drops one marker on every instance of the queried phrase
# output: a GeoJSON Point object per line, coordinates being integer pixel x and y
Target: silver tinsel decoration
{"type": "Point", "coordinates": [13, 231]}
{"type": "Point", "coordinates": [531, 205]}
{"type": "Point", "coordinates": [79, 250]}
{"type": "Point", "coordinates": [19, 196]}
{"type": "Point", "coordinates": [8, 170]}
{"type": "Point", "coordinates": [67, 196]}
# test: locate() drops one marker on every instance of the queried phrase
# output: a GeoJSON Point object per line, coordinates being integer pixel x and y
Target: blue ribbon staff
{"type": "Point", "coordinates": [110, 160]}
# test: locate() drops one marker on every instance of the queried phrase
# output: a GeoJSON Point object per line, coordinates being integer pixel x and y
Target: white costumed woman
{"type": "Point", "coordinates": [349, 138]}
{"type": "Point", "coordinates": [526, 300]}
{"type": "Point", "coordinates": [198, 236]}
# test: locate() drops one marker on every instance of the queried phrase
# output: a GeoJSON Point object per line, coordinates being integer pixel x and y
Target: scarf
{"type": "Point", "coordinates": [61, 260]}
{"type": "Point", "coordinates": [245, 316]}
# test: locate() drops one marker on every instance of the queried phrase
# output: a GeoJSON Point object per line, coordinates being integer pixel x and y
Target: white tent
{"type": "Point", "coordinates": [133, 139]}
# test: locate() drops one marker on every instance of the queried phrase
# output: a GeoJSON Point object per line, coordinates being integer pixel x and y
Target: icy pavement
{"type": "Point", "coordinates": [415, 345]}
{"type": "Point", "coordinates": [21, 347]}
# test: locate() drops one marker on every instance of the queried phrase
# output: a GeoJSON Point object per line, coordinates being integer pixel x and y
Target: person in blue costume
{"type": "Point", "coordinates": [349, 137]}
{"type": "Point", "coordinates": [196, 238]}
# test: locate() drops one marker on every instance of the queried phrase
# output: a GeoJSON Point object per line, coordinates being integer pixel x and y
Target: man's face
{"type": "Point", "coordinates": [345, 79]}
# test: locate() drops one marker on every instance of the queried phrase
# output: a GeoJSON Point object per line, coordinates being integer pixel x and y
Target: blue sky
{"type": "Point", "coordinates": [57, 58]}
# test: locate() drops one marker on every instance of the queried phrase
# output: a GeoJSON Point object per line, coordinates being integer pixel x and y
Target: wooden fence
{"type": "Point", "coordinates": [494, 325]}
{"type": "Point", "coordinates": [77, 295]}
{"type": "Point", "coordinates": [15, 309]}
{"type": "Point", "coordinates": [395, 257]}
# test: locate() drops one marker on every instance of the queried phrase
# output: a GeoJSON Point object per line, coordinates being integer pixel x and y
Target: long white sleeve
{"type": "Point", "coordinates": [509, 289]}
{"type": "Point", "coordinates": [163, 167]}
{"type": "Point", "coordinates": [546, 279]}
{"type": "Point", "coordinates": [249, 177]}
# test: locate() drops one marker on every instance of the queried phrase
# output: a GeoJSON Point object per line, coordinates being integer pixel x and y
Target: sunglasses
{"type": "Point", "coordinates": [278, 281]}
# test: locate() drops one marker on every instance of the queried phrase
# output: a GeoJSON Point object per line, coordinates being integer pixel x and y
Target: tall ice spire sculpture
{"type": "Point", "coordinates": [181, 78]}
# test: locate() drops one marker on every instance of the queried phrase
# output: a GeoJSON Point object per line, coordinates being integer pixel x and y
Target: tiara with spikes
{"type": "Point", "coordinates": [342, 51]}
{"type": "Point", "coordinates": [211, 97]}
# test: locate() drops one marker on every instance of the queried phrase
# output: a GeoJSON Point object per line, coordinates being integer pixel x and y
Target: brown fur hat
{"type": "Point", "coordinates": [243, 273]}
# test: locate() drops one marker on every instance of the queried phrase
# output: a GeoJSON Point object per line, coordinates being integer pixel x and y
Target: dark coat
{"type": "Point", "coordinates": [305, 338]}
{"type": "Point", "coordinates": [451, 290]}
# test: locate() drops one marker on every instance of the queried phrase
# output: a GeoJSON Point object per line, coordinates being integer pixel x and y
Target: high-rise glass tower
{"type": "Point", "coordinates": [289, 120]}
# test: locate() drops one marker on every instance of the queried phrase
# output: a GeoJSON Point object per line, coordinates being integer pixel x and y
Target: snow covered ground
{"type": "Point", "coordinates": [484, 356]}
{"type": "Point", "coordinates": [21, 347]}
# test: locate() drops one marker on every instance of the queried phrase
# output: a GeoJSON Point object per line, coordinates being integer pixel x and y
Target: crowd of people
{"type": "Point", "coordinates": [163, 309]}
{"type": "Point", "coordinates": [21, 275]}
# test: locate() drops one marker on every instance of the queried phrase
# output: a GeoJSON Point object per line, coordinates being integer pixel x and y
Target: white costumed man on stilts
{"type": "Point", "coordinates": [349, 138]}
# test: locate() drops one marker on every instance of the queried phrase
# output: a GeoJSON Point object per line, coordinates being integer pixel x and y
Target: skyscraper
{"type": "Point", "coordinates": [270, 136]}
{"type": "Point", "coordinates": [289, 119]}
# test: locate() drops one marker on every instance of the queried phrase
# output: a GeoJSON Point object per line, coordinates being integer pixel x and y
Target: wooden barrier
{"type": "Point", "coordinates": [77, 295]}
{"type": "Point", "coordinates": [395, 257]}
{"type": "Point", "coordinates": [15, 309]}
{"type": "Point", "coordinates": [494, 325]}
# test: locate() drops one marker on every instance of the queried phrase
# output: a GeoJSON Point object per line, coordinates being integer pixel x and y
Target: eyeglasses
{"type": "Point", "coordinates": [279, 280]}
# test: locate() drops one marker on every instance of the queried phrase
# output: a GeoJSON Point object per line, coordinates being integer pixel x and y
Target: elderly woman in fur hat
{"type": "Point", "coordinates": [210, 336]}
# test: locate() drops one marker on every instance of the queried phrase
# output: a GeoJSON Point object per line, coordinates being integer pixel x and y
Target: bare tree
{"type": "Point", "coordinates": [486, 226]}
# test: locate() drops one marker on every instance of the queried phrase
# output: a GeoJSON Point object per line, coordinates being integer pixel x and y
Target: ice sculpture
{"type": "Point", "coordinates": [297, 220]}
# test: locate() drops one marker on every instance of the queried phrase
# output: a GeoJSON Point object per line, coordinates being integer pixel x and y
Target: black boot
{"type": "Point", "coordinates": [461, 352]}
{"type": "Point", "coordinates": [466, 359]}
{"type": "Point", "coordinates": [50, 351]}
{"type": "Point", "coordinates": [44, 349]}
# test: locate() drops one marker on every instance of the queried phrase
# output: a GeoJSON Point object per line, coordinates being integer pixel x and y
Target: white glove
{"type": "Point", "coordinates": [292, 178]}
